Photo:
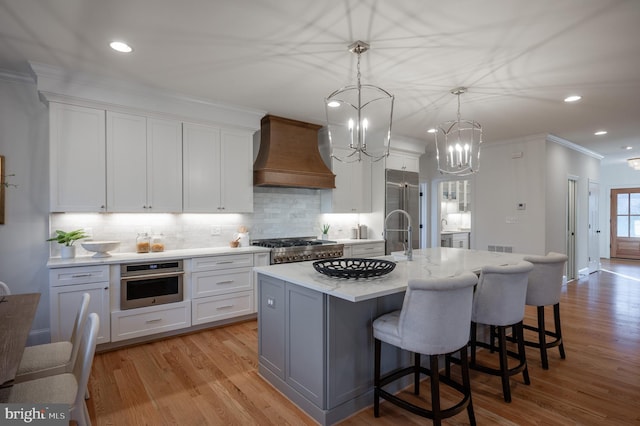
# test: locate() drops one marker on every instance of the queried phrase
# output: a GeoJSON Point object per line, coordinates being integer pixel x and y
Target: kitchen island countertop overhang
{"type": "Point", "coordinates": [433, 262]}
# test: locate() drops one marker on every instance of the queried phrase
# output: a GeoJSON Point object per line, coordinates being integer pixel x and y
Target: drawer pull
{"type": "Point", "coordinates": [153, 320]}
{"type": "Point", "coordinates": [81, 275]}
{"type": "Point", "coordinates": [224, 262]}
{"type": "Point", "coordinates": [226, 282]}
{"type": "Point", "coordinates": [224, 307]}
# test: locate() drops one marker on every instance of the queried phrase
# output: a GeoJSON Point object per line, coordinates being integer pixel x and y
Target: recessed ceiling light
{"type": "Point", "coordinates": [333, 104]}
{"type": "Point", "coordinates": [432, 131]}
{"type": "Point", "coordinates": [628, 148]}
{"type": "Point", "coordinates": [120, 46]}
{"type": "Point", "coordinates": [572, 98]}
{"type": "Point", "coordinates": [600, 132]}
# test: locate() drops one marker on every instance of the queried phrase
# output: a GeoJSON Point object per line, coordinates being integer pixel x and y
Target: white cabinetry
{"type": "Point", "coordinates": [400, 161]}
{"type": "Point", "coordinates": [150, 320]}
{"type": "Point", "coordinates": [77, 158]}
{"type": "Point", "coordinates": [144, 164]}
{"type": "Point", "coordinates": [218, 170]}
{"type": "Point", "coordinates": [221, 287]}
{"type": "Point", "coordinates": [352, 193]}
{"type": "Point", "coordinates": [460, 240]}
{"type": "Point", "coordinates": [364, 250]}
{"type": "Point", "coordinates": [67, 285]}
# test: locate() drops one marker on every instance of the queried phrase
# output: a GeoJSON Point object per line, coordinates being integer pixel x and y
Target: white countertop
{"type": "Point", "coordinates": [432, 262]}
{"type": "Point", "coordinates": [57, 262]}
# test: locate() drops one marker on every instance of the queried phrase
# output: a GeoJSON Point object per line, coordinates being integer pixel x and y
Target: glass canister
{"type": "Point", "coordinates": [143, 243]}
{"type": "Point", "coordinates": [157, 242]}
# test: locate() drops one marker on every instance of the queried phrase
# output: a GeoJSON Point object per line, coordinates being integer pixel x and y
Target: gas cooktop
{"type": "Point", "coordinates": [298, 249]}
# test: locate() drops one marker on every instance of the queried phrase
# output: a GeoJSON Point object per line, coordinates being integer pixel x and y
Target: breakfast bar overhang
{"type": "Point", "coordinates": [315, 343]}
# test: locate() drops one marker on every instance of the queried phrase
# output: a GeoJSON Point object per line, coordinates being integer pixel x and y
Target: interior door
{"type": "Point", "coordinates": [625, 223]}
{"type": "Point", "coordinates": [594, 228]}
{"type": "Point", "coordinates": [571, 229]}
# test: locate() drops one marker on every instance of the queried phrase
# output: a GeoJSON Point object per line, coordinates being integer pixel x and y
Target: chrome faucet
{"type": "Point", "coordinates": [409, 250]}
{"type": "Point", "coordinates": [443, 222]}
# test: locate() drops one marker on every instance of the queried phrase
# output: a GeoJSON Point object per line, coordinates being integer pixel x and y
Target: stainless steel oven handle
{"type": "Point", "coordinates": [146, 276]}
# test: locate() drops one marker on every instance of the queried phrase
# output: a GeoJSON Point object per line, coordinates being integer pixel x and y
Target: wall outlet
{"type": "Point", "coordinates": [215, 230]}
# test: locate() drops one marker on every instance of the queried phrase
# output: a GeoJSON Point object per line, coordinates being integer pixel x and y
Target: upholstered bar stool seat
{"type": "Point", "coordinates": [499, 303]}
{"type": "Point", "coordinates": [434, 320]}
{"type": "Point", "coordinates": [545, 286]}
{"type": "Point", "coordinates": [57, 357]}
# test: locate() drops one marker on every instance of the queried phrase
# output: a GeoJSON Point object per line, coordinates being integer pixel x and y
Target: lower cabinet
{"type": "Point", "coordinates": [221, 287]}
{"type": "Point", "coordinates": [67, 285]}
{"type": "Point", "coordinates": [140, 322]}
{"type": "Point", "coordinates": [364, 249]}
{"type": "Point", "coordinates": [318, 349]}
{"type": "Point", "coordinates": [460, 240]}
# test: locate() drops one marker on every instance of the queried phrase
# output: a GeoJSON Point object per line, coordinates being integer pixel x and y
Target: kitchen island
{"type": "Point", "coordinates": [314, 331]}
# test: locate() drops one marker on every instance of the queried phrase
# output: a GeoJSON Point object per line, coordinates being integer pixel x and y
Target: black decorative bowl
{"type": "Point", "coordinates": [354, 268]}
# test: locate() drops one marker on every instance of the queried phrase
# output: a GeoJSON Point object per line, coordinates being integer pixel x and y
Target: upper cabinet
{"type": "Point", "coordinates": [401, 161]}
{"type": "Point", "coordinates": [352, 193]}
{"type": "Point", "coordinates": [77, 158]}
{"type": "Point", "coordinates": [144, 164]}
{"type": "Point", "coordinates": [218, 170]}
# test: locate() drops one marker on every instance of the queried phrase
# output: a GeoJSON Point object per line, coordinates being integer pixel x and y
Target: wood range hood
{"type": "Point", "coordinates": [289, 155]}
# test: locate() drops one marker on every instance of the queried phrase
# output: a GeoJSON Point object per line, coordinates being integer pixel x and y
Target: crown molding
{"type": "Point", "coordinates": [573, 146]}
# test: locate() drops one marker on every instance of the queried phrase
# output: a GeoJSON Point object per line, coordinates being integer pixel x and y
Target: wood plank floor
{"type": "Point", "coordinates": [210, 377]}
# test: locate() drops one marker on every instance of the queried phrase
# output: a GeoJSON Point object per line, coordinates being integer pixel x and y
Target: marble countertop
{"type": "Point", "coordinates": [450, 231]}
{"type": "Point", "coordinates": [89, 260]}
{"type": "Point", "coordinates": [432, 262]}
{"type": "Point", "coordinates": [57, 262]}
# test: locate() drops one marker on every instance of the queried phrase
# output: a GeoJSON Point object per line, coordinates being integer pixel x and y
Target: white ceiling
{"type": "Point", "coordinates": [519, 58]}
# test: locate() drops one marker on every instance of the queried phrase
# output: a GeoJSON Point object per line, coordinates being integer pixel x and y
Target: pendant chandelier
{"type": "Point", "coordinates": [634, 163]}
{"type": "Point", "coordinates": [458, 143]}
{"type": "Point", "coordinates": [359, 118]}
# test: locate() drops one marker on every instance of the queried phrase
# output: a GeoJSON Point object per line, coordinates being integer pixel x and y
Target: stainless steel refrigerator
{"type": "Point", "coordinates": [402, 192]}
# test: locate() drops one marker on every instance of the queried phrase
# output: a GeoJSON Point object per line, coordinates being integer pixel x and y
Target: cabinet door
{"type": "Point", "coordinates": [352, 193]}
{"type": "Point", "coordinates": [64, 304]}
{"type": "Point", "coordinates": [126, 163]}
{"type": "Point", "coordinates": [201, 166]}
{"type": "Point", "coordinates": [77, 158]}
{"type": "Point", "coordinates": [405, 162]}
{"type": "Point", "coordinates": [236, 172]}
{"type": "Point", "coordinates": [164, 166]}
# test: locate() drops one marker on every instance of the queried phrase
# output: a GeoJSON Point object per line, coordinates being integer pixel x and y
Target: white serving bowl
{"type": "Point", "coordinates": [101, 247]}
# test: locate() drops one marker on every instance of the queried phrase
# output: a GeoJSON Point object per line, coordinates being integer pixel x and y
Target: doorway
{"type": "Point", "coordinates": [571, 228]}
{"type": "Point", "coordinates": [625, 223]}
{"type": "Point", "coordinates": [593, 243]}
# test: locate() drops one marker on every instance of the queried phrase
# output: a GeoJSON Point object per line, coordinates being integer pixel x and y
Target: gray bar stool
{"type": "Point", "coordinates": [545, 286]}
{"type": "Point", "coordinates": [499, 302]}
{"type": "Point", "coordinates": [434, 320]}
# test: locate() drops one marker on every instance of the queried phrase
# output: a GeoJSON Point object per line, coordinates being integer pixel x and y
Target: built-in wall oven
{"type": "Point", "coordinates": [151, 283]}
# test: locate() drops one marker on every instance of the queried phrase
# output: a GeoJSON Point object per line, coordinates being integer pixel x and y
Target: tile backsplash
{"type": "Point", "coordinates": [278, 212]}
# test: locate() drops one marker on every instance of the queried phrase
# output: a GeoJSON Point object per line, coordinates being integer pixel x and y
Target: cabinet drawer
{"type": "Point", "coordinates": [371, 249]}
{"type": "Point", "coordinates": [152, 320]}
{"type": "Point", "coordinates": [78, 275]}
{"type": "Point", "coordinates": [222, 262]}
{"type": "Point", "coordinates": [211, 283]}
{"type": "Point", "coordinates": [214, 308]}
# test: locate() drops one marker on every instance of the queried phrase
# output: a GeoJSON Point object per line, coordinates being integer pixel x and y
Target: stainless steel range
{"type": "Point", "coordinates": [287, 250]}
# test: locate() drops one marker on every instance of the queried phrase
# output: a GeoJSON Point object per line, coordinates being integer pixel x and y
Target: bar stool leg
{"type": "Point", "coordinates": [466, 383]}
{"type": "Point", "coordinates": [556, 319]}
{"type": "Point", "coordinates": [504, 366]}
{"type": "Point", "coordinates": [416, 373]}
{"type": "Point", "coordinates": [376, 378]}
{"type": "Point", "coordinates": [518, 330]}
{"type": "Point", "coordinates": [473, 342]}
{"type": "Point", "coordinates": [542, 338]}
{"type": "Point", "coordinates": [435, 390]}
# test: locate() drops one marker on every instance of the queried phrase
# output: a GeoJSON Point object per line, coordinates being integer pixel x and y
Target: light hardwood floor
{"type": "Point", "coordinates": [210, 377]}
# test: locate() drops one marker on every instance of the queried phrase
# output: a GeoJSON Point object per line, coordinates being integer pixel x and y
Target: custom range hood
{"type": "Point", "coordinates": [289, 155]}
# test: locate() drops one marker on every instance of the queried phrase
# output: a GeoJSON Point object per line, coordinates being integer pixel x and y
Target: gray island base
{"type": "Point", "coordinates": [315, 342]}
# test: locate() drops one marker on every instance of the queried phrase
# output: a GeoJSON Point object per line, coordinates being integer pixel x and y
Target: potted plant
{"type": "Point", "coordinates": [325, 231]}
{"type": "Point", "coordinates": [66, 240]}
